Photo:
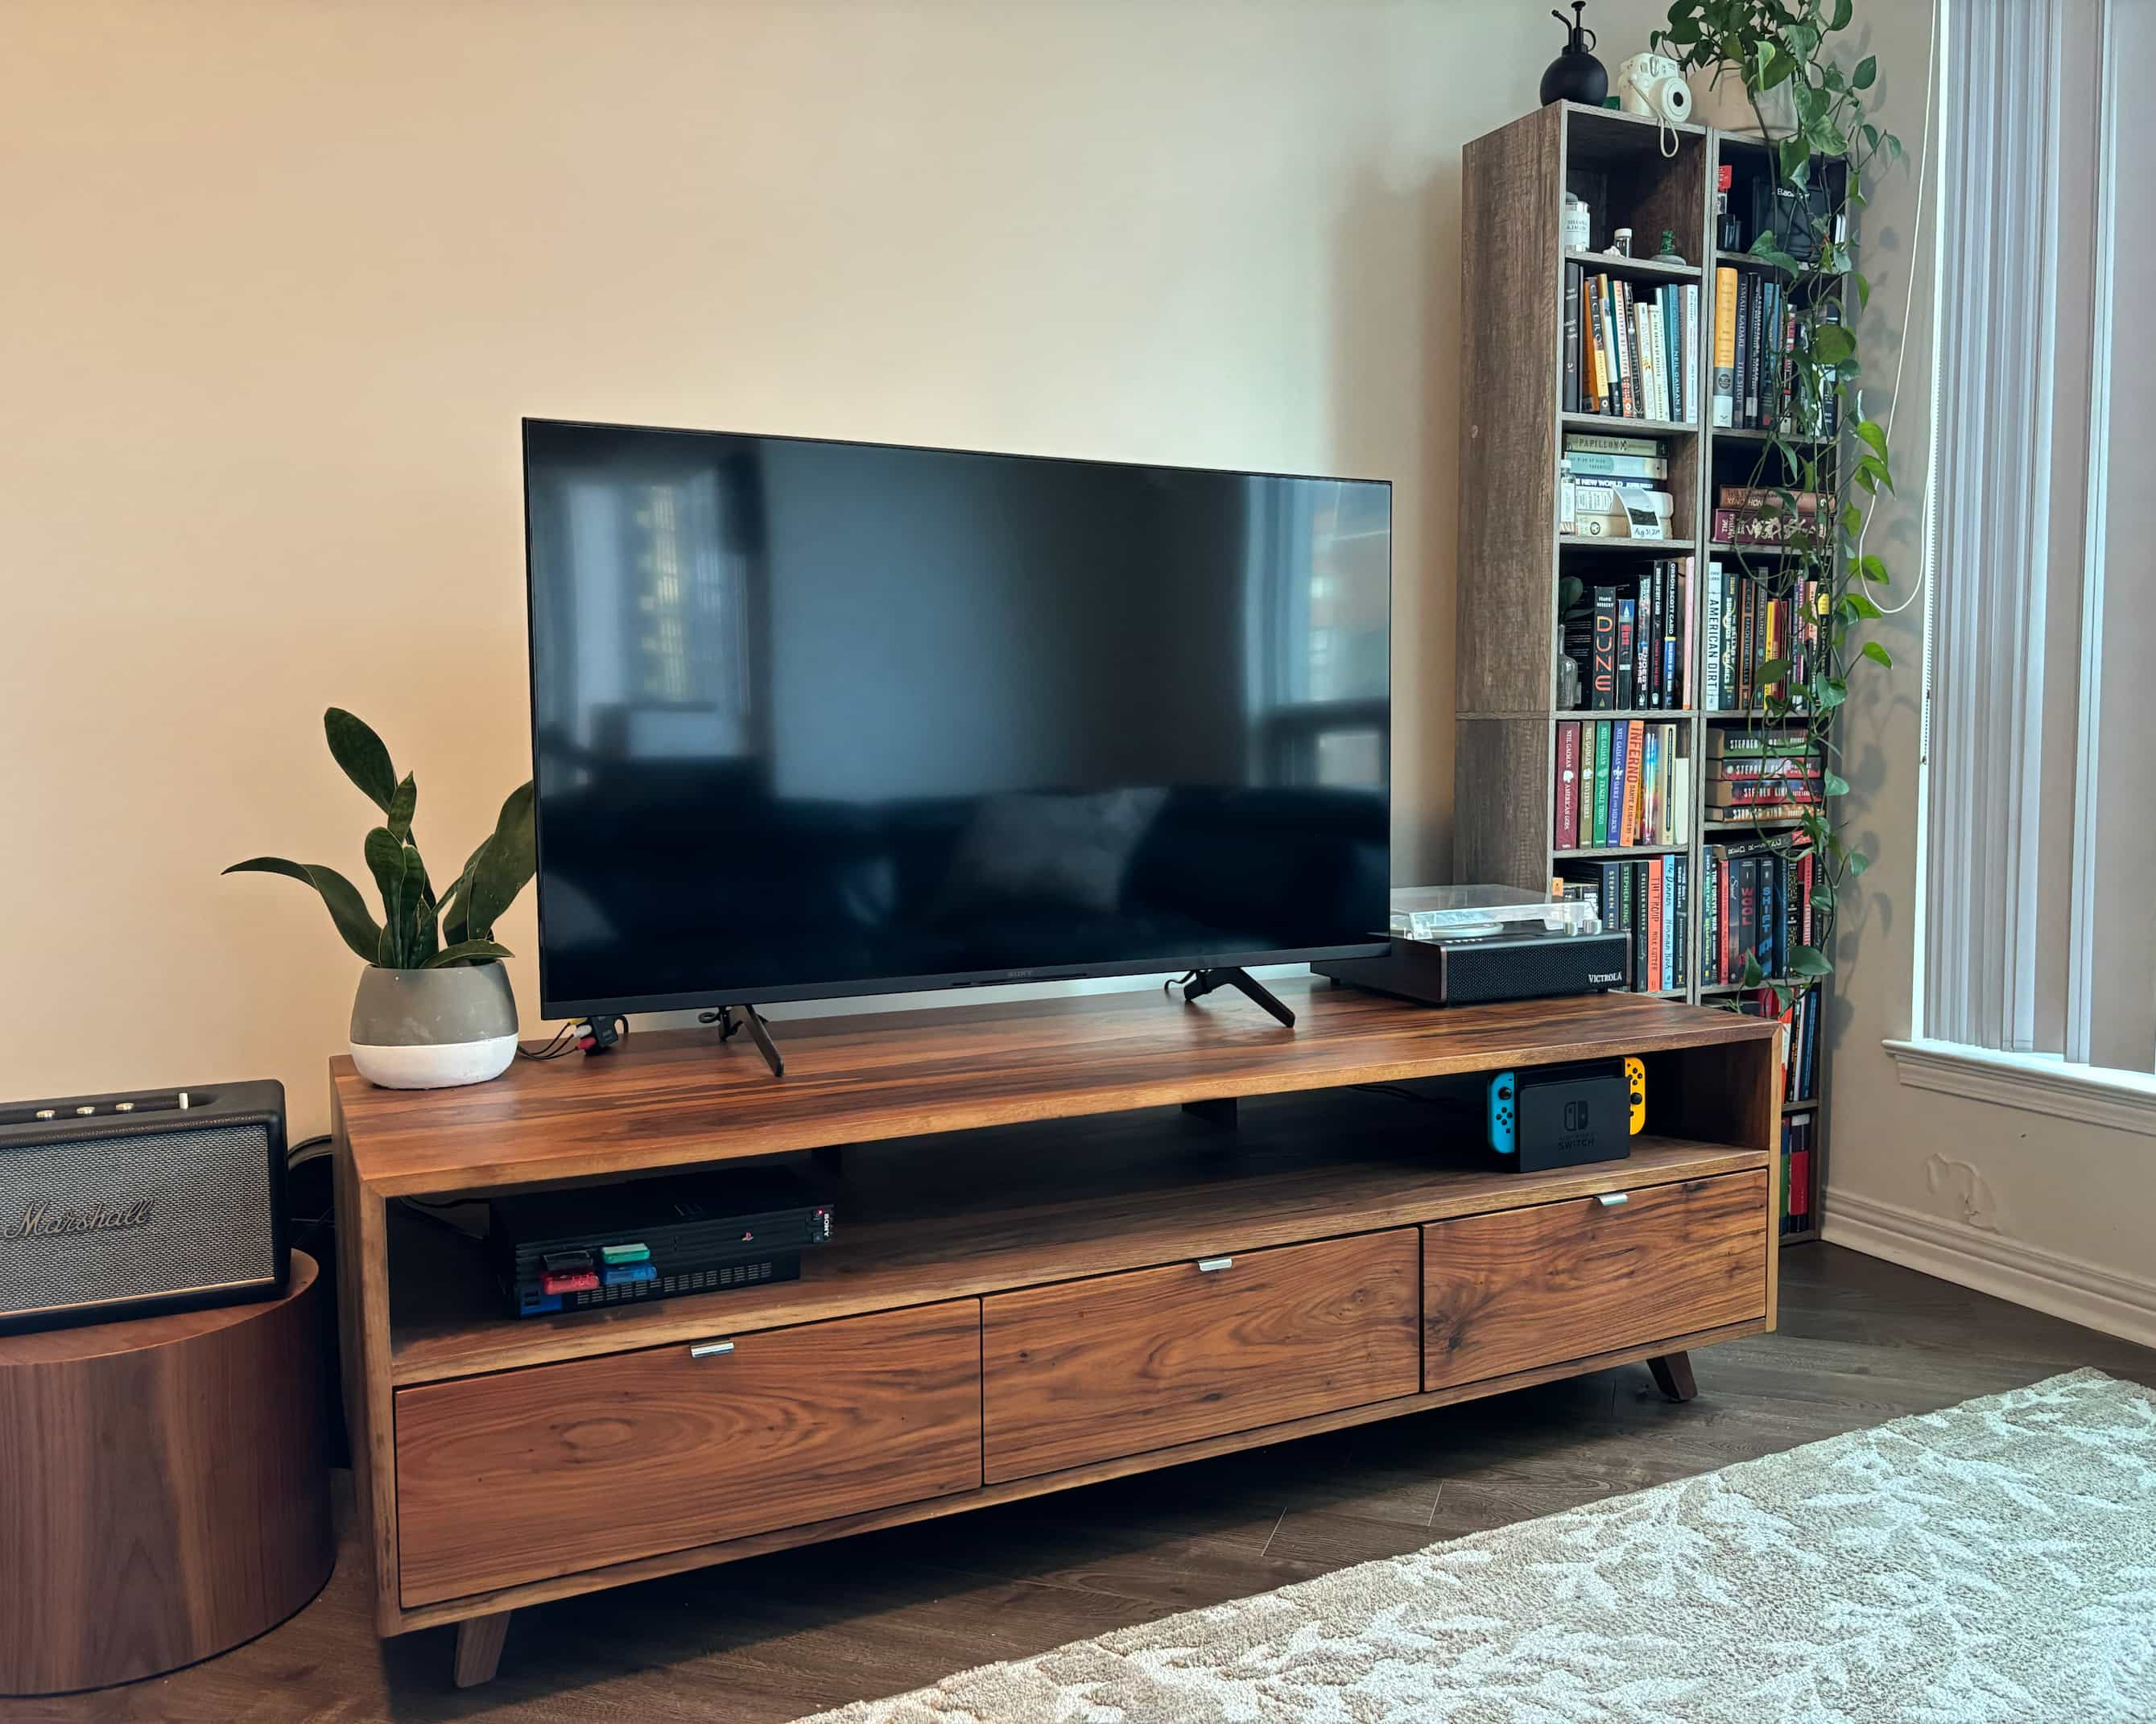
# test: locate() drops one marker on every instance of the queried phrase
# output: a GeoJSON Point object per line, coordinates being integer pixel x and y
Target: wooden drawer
{"type": "Point", "coordinates": [536, 1473]}
{"type": "Point", "coordinates": [1538, 1286]}
{"type": "Point", "coordinates": [1085, 1370]}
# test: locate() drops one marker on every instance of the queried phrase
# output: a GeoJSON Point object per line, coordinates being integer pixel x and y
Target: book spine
{"type": "Point", "coordinates": [1602, 684]}
{"type": "Point", "coordinates": [1725, 345]}
{"type": "Point", "coordinates": [1649, 778]}
{"type": "Point", "coordinates": [1691, 355]}
{"type": "Point", "coordinates": [1669, 694]}
{"type": "Point", "coordinates": [1628, 361]}
{"type": "Point", "coordinates": [1729, 690]}
{"type": "Point", "coordinates": [1627, 626]}
{"type": "Point", "coordinates": [1601, 785]}
{"type": "Point", "coordinates": [1572, 272]}
{"type": "Point", "coordinates": [1688, 639]}
{"type": "Point", "coordinates": [1634, 745]}
{"type": "Point", "coordinates": [1635, 887]}
{"type": "Point", "coordinates": [1681, 792]}
{"type": "Point", "coordinates": [1753, 388]}
{"type": "Point", "coordinates": [1747, 913]}
{"type": "Point", "coordinates": [1667, 958]}
{"type": "Point", "coordinates": [1764, 944]}
{"type": "Point", "coordinates": [1681, 950]}
{"type": "Point", "coordinates": [1652, 970]}
{"type": "Point", "coordinates": [1616, 795]}
{"type": "Point", "coordinates": [1603, 443]}
{"type": "Point", "coordinates": [1589, 463]}
{"type": "Point", "coordinates": [1712, 667]}
{"type": "Point", "coordinates": [1568, 785]}
{"type": "Point", "coordinates": [1743, 347]}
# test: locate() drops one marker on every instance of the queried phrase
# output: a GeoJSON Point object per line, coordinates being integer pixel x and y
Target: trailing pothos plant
{"type": "Point", "coordinates": [418, 930]}
{"type": "Point", "coordinates": [1819, 144]}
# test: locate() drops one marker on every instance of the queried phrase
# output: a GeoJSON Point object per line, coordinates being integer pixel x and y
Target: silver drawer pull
{"type": "Point", "coordinates": [1206, 1265]}
{"type": "Point", "coordinates": [710, 1349]}
{"type": "Point", "coordinates": [1611, 1199]}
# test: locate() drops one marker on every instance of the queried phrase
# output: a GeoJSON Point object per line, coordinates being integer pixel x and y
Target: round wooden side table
{"type": "Point", "coordinates": [164, 1489]}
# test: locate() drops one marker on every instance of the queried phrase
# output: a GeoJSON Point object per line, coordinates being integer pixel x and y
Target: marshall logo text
{"type": "Point", "coordinates": [42, 1221]}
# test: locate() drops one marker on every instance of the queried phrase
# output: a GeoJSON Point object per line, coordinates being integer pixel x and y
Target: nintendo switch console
{"type": "Point", "coordinates": [1566, 1116]}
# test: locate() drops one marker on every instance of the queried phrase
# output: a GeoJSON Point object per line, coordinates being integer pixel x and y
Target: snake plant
{"type": "Point", "coordinates": [418, 930]}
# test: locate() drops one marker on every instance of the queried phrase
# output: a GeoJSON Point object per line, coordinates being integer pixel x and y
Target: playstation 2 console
{"type": "Point", "coordinates": [653, 1238]}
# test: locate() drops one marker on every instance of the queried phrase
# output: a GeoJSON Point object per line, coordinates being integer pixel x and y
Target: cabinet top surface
{"type": "Point", "coordinates": [675, 1098]}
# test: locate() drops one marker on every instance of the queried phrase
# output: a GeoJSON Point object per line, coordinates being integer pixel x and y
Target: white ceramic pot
{"type": "Point", "coordinates": [433, 1029]}
{"type": "Point", "coordinates": [1719, 100]}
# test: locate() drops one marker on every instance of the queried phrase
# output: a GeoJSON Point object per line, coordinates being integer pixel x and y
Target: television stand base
{"type": "Point", "coordinates": [1203, 982]}
{"type": "Point", "coordinates": [759, 1032]}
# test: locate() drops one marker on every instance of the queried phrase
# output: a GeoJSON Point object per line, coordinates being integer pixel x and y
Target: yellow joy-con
{"type": "Point", "coordinates": [1635, 1088]}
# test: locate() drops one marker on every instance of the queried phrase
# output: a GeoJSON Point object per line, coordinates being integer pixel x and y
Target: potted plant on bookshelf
{"type": "Point", "coordinates": [1810, 113]}
{"type": "Point", "coordinates": [435, 1007]}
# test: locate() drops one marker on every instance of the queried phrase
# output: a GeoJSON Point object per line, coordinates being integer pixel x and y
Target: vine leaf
{"type": "Point", "coordinates": [1867, 69]}
{"type": "Point", "coordinates": [1878, 655]}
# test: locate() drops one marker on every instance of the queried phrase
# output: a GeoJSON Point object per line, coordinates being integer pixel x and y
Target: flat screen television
{"type": "Point", "coordinates": [813, 719]}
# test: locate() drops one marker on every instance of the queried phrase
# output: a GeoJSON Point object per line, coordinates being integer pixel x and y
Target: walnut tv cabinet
{"type": "Point", "coordinates": [1075, 1238]}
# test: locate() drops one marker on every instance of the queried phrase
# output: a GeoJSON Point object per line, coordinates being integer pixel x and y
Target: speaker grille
{"type": "Point", "coordinates": [207, 1224]}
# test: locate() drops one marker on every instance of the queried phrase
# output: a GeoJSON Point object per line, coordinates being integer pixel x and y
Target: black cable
{"type": "Point", "coordinates": [295, 1153]}
{"type": "Point", "coordinates": [562, 1042]}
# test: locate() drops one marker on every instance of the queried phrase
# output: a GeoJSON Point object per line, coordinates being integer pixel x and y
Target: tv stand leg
{"type": "Point", "coordinates": [479, 1648]}
{"type": "Point", "coordinates": [1219, 1112]}
{"type": "Point", "coordinates": [1203, 982]}
{"type": "Point", "coordinates": [759, 1032]}
{"type": "Point", "coordinates": [1673, 1376]}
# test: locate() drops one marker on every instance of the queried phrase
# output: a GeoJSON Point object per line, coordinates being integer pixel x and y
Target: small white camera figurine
{"type": "Point", "coordinates": [1653, 84]}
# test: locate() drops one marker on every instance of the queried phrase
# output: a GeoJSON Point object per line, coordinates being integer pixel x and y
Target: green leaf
{"type": "Point", "coordinates": [1754, 975]}
{"type": "Point", "coordinates": [1874, 434]}
{"type": "Point", "coordinates": [366, 761]}
{"type": "Point", "coordinates": [466, 952]}
{"type": "Point", "coordinates": [401, 807]}
{"type": "Point", "coordinates": [1873, 570]}
{"type": "Point", "coordinates": [385, 860]}
{"type": "Point", "coordinates": [501, 866]}
{"type": "Point", "coordinates": [1835, 784]}
{"type": "Point", "coordinates": [1860, 607]}
{"type": "Point", "coordinates": [1822, 893]}
{"type": "Point", "coordinates": [1772, 670]}
{"type": "Point", "coordinates": [1857, 861]}
{"type": "Point", "coordinates": [346, 908]}
{"type": "Point", "coordinates": [1828, 693]}
{"type": "Point", "coordinates": [1867, 68]}
{"type": "Point", "coordinates": [1852, 520]}
{"type": "Point", "coordinates": [1794, 155]}
{"type": "Point", "coordinates": [1878, 655]}
{"type": "Point", "coordinates": [1863, 288]}
{"type": "Point", "coordinates": [1831, 343]}
{"type": "Point", "coordinates": [422, 937]}
{"type": "Point", "coordinates": [1809, 961]}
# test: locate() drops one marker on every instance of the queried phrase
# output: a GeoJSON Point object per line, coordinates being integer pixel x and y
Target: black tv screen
{"type": "Point", "coordinates": [812, 718]}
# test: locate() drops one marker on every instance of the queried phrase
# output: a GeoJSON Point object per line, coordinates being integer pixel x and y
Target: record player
{"type": "Point", "coordinates": [1458, 946]}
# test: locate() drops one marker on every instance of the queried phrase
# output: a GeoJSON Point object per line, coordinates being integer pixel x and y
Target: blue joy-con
{"type": "Point", "coordinates": [1503, 1137]}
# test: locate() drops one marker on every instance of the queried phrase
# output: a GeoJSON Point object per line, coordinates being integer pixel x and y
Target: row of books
{"type": "Point", "coordinates": [1762, 774]}
{"type": "Point", "coordinates": [1750, 620]}
{"type": "Point", "coordinates": [1753, 515]}
{"type": "Point", "coordinates": [1651, 900]}
{"type": "Point", "coordinates": [1633, 639]}
{"type": "Point", "coordinates": [1755, 340]}
{"type": "Point", "coordinates": [1628, 350]}
{"type": "Point", "coordinates": [1800, 1053]}
{"type": "Point", "coordinates": [1756, 899]}
{"type": "Point", "coordinates": [1799, 1136]}
{"type": "Point", "coordinates": [1621, 783]}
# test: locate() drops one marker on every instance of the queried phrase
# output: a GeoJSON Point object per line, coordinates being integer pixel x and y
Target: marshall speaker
{"type": "Point", "coordinates": [116, 1206]}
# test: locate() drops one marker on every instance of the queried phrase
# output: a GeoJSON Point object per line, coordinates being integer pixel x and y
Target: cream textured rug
{"type": "Point", "coordinates": [1996, 1561]}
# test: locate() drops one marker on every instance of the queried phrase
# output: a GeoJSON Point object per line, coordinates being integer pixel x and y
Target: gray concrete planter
{"type": "Point", "coordinates": [433, 1029]}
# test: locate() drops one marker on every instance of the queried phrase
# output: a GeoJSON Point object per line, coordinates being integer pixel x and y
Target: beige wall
{"type": "Point", "coordinates": [2048, 1211]}
{"type": "Point", "coordinates": [282, 277]}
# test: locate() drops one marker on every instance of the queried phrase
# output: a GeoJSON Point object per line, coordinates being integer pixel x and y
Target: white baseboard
{"type": "Point", "coordinates": [2049, 1281]}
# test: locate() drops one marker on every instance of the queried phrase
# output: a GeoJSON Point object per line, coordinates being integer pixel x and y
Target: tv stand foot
{"type": "Point", "coordinates": [1673, 1376]}
{"type": "Point", "coordinates": [1220, 1112]}
{"type": "Point", "coordinates": [759, 1032]}
{"type": "Point", "coordinates": [479, 1648]}
{"type": "Point", "coordinates": [1203, 982]}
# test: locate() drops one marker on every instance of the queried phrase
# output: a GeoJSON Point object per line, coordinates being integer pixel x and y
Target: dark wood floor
{"type": "Point", "coordinates": [1860, 1342]}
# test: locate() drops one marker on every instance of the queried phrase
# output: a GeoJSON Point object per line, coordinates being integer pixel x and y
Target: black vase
{"type": "Point", "coordinates": [1575, 75]}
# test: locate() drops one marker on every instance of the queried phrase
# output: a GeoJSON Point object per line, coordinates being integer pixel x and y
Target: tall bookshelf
{"type": "Point", "coordinates": [1514, 560]}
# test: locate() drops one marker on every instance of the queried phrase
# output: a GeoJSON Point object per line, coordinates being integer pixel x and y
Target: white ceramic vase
{"type": "Point", "coordinates": [433, 1029]}
{"type": "Point", "coordinates": [1719, 100]}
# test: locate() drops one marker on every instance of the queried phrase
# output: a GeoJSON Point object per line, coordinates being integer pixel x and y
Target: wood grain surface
{"type": "Point", "coordinates": [1509, 1292]}
{"type": "Point", "coordinates": [1088, 1370]}
{"type": "Point", "coordinates": [530, 1474]}
{"type": "Point", "coordinates": [993, 1211]}
{"type": "Point", "coordinates": [675, 1098]}
{"type": "Point", "coordinates": [164, 1488]}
